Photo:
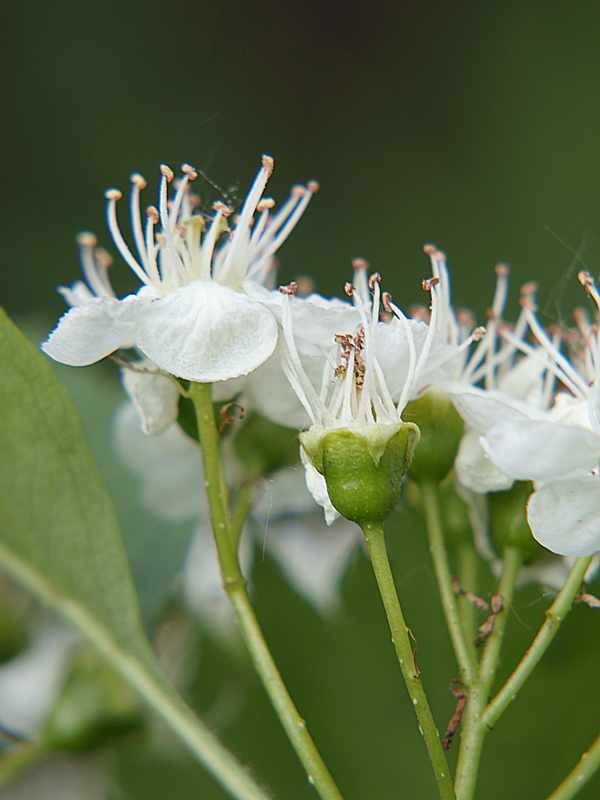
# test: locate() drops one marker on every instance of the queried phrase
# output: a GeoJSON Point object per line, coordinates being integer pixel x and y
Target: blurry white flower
{"type": "Point", "coordinates": [30, 682]}
{"type": "Point", "coordinates": [311, 556]}
{"type": "Point", "coordinates": [195, 316]}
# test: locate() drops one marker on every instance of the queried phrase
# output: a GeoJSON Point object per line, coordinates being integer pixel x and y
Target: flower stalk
{"type": "Point", "coordinates": [554, 617]}
{"type": "Point", "coordinates": [375, 541]}
{"type": "Point", "coordinates": [474, 731]}
{"type": "Point", "coordinates": [588, 764]}
{"type": "Point", "coordinates": [234, 584]}
{"type": "Point", "coordinates": [465, 654]}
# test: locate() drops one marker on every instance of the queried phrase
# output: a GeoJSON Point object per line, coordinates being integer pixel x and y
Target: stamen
{"type": "Point", "coordinates": [112, 195]}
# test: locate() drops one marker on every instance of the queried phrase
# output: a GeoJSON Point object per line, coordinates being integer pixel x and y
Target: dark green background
{"type": "Point", "coordinates": [474, 126]}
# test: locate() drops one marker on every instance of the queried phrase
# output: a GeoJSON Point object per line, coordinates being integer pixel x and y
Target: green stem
{"type": "Point", "coordinates": [588, 764]}
{"type": "Point", "coordinates": [375, 540]}
{"type": "Point", "coordinates": [468, 568]}
{"type": "Point", "coordinates": [465, 656]}
{"type": "Point", "coordinates": [234, 585]}
{"type": "Point", "coordinates": [554, 617]}
{"type": "Point", "coordinates": [474, 731]}
{"type": "Point", "coordinates": [19, 759]}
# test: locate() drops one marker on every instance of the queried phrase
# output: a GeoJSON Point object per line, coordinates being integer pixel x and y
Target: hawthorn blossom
{"type": "Point", "coordinates": [559, 448]}
{"type": "Point", "coordinates": [196, 315]}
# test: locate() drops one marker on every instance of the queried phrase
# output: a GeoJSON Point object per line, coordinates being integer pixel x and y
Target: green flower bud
{"type": "Point", "coordinates": [441, 431]}
{"type": "Point", "coordinates": [364, 468]}
{"type": "Point", "coordinates": [263, 447]}
{"type": "Point", "coordinates": [508, 521]}
{"type": "Point", "coordinates": [94, 707]}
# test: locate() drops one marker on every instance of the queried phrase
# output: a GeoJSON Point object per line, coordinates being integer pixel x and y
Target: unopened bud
{"type": "Point", "coordinates": [508, 521]}
{"type": "Point", "coordinates": [441, 431]}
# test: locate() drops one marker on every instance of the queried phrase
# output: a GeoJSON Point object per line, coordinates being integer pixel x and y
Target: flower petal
{"type": "Point", "coordinates": [474, 468]}
{"type": "Point", "coordinates": [155, 397]}
{"type": "Point", "coordinates": [93, 330]}
{"type": "Point", "coordinates": [206, 332]}
{"type": "Point", "coordinates": [313, 557]}
{"type": "Point", "coordinates": [481, 410]}
{"type": "Point", "coordinates": [540, 450]}
{"type": "Point", "coordinates": [564, 516]}
{"type": "Point", "coordinates": [317, 486]}
{"type": "Point", "coordinates": [168, 466]}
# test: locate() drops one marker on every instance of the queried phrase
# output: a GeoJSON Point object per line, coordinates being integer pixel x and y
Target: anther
{"type": "Point", "coordinates": [138, 180]}
{"type": "Point", "coordinates": [267, 164]}
{"type": "Point", "coordinates": [305, 285]}
{"type": "Point", "coordinates": [266, 204]}
{"type": "Point", "coordinates": [386, 302]}
{"type": "Point", "coordinates": [290, 289]}
{"type": "Point", "coordinates": [87, 239]}
{"type": "Point", "coordinates": [313, 187]}
{"type": "Point", "coordinates": [298, 191]}
{"type": "Point", "coordinates": [188, 170]}
{"type": "Point", "coordinates": [374, 279]}
{"type": "Point", "coordinates": [465, 318]}
{"type": "Point", "coordinates": [586, 280]}
{"type": "Point", "coordinates": [429, 283]}
{"type": "Point", "coordinates": [152, 214]}
{"type": "Point", "coordinates": [502, 270]}
{"type": "Point", "coordinates": [103, 257]}
{"type": "Point", "coordinates": [348, 289]}
{"type": "Point", "coordinates": [429, 250]}
{"type": "Point", "coordinates": [221, 208]}
{"type": "Point", "coordinates": [529, 288]}
{"type": "Point", "coordinates": [167, 172]}
{"type": "Point", "coordinates": [478, 334]}
{"type": "Point", "coordinates": [360, 263]}
{"type": "Point", "coordinates": [113, 194]}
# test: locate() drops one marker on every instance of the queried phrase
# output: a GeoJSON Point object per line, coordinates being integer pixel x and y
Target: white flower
{"type": "Point", "coordinates": [195, 315]}
{"type": "Point", "coordinates": [559, 447]}
{"type": "Point", "coordinates": [312, 557]}
{"type": "Point", "coordinates": [30, 682]}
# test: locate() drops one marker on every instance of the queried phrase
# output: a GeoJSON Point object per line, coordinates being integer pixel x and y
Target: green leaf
{"type": "Point", "coordinates": [59, 537]}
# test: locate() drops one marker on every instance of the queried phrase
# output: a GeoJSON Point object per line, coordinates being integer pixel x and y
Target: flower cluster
{"type": "Point", "coordinates": [208, 311]}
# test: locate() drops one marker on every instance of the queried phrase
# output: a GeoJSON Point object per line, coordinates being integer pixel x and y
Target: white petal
{"type": "Point", "coordinates": [29, 683]}
{"type": "Point", "coordinates": [315, 319]}
{"type": "Point", "coordinates": [564, 516]}
{"type": "Point", "coordinates": [206, 332]}
{"type": "Point", "coordinates": [269, 392]}
{"type": "Point", "coordinates": [317, 486]}
{"type": "Point", "coordinates": [155, 397]}
{"type": "Point", "coordinates": [525, 379]}
{"type": "Point", "coordinates": [282, 494]}
{"type": "Point", "coordinates": [313, 557]}
{"type": "Point", "coordinates": [91, 331]}
{"type": "Point", "coordinates": [541, 450]}
{"type": "Point", "coordinates": [474, 468]}
{"type": "Point", "coordinates": [481, 410]}
{"type": "Point", "coordinates": [77, 294]}
{"type": "Point", "coordinates": [168, 465]}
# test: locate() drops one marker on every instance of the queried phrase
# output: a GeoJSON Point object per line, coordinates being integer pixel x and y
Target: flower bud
{"type": "Point", "coordinates": [263, 447]}
{"type": "Point", "coordinates": [441, 431]}
{"type": "Point", "coordinates": [364, 467]}
{"type": "Point", "coordinates": [508, 521]}
{"type": "Point", "coordinates": [94, 707]}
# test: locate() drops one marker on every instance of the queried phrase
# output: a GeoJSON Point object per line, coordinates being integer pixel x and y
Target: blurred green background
{"type": "Point", "coordinates": [471, 125]}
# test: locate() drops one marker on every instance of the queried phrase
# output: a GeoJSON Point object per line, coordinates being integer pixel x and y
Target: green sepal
{"type": "Point", "coordinates": [364, 468]}
{"type": "Point", "coordinates": [263, 447]}
{"type": "Point", "coordinates": [441, 431]}
{"type": "Point", "coordinates": [94, 708]}
{"type": "Point", "coordinates": [508, 521]}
